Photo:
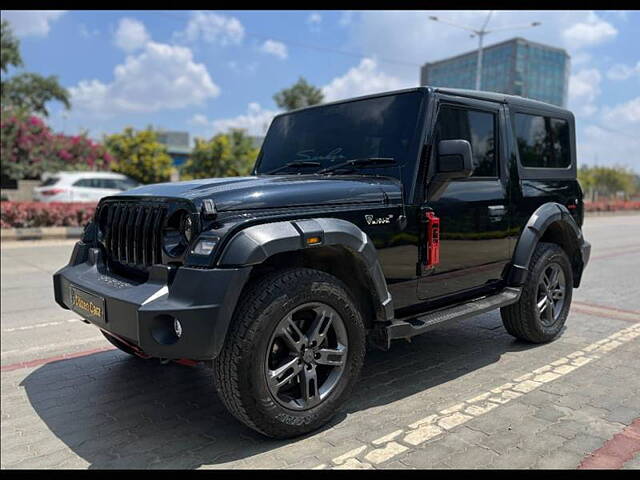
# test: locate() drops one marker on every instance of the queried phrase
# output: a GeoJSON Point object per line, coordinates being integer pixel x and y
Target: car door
{"type": "Point", "coordinates": [82, 190]}
{"type": "Point", "coordinates": [473, 212]}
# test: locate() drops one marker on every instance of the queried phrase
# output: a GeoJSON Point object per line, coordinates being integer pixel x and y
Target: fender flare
{"type": "Point", "coordinates": [535, 228]}
{"type": "Point", "coordinates": [257, 243]}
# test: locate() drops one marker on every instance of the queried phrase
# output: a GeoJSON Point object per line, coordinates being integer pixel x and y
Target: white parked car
{"type": "Point", "coordinates": [81, 186]}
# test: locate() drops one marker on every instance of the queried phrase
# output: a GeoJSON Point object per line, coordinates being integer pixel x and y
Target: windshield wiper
{"type": "Point", "coordinates": [298, 163]}
{"type": "Point", "coordinates": [360, 162]}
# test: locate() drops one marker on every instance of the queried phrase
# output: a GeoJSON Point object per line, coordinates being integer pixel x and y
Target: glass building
{"type": "Point", "coordinates": [515, 67]}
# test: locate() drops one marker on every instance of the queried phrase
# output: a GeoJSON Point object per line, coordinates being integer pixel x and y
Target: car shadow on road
{"type": "Point", "coordinates": [115, 411]}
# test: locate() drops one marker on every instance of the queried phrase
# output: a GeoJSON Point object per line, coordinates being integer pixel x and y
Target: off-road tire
{"type": "Point", "coordinates": [239, 370]}
{"type": "Point", "coordinates": [522, 319]}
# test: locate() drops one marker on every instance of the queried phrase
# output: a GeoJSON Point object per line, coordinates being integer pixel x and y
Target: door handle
{"type": "Point", "coordinates": [496, 212]}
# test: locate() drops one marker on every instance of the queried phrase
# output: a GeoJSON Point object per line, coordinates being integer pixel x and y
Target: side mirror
{"type": "Point", "coordinates": [453, 162]}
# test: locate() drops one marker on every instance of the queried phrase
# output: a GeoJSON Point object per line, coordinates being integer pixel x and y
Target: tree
{"type": "Point", "coordinates": [606, 181]}
{"type": "Point", "coordinates": [229, 154]}
{"type": "Point", "coordinates": [26, 91]}
{"type": "Point", "coordinates": [9, 48]}
{"type": "Point", "coordinates": [139, 155]}
{"type": "Point", "coordinates": [29, 148]}
{"type": "Point", "coordinates": [300, 94]}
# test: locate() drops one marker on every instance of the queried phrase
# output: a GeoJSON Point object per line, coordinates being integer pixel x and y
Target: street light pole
{"type": "Point", "coordinates": [480, 34]}
{"type": "Point", "coordinates": [479, 64]}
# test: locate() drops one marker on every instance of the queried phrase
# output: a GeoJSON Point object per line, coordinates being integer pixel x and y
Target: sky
{"type": "Point", "coordinates": [207, 71]}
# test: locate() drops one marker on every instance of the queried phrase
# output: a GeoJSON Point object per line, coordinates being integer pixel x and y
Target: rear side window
{"type": "Point", "coordinates": [83, 182]}
{"type": "Point", "coordinates": [543, 142]}
{"type": "Point", "coordinates": [478, 128]}
{"type": "Point", "coordinates": [94, 183]}
{"type": "Point", "coordinates": [50, 181]}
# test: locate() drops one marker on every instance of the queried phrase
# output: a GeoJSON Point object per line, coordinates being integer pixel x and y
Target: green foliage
{"type": "Point", "coordinates": [29, 148]}
{"type": "Point", "coordinates": [300, 94]}
{"type": "Point", "coordinates": [26, 91]}
{"type": "Point", "coordinates": [9, 48]}
{"type": "Point", "coordinates": [224, 155]}
{"type": "Point", "coordinates": [31, 92]}
{"type": "Point", "coordinates": [605, 182]}
{"type": "Point", "coordinates": [139, 155]}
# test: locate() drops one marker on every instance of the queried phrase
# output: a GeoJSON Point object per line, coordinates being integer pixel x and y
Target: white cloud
{"type": "Point", "coordinates": [624, 115]}
{"type": "Point", "coordinates": [35, 23]}
{"type": "Point", "coordinates": [86, 33]}
{"type": "Point", "coordinates": [593, 31]}
{"type": "Point", "coordinates": [620, 71]}
{"type": "Point", "coordinates": [212, 28]}
{"type": "Point", "coordinates": [364, 79]}
{"type": "Point", "coordinates": [199, 120]}
{"type": "Point", "coordinates": [580, 58]}
{"type": "Point", "coordinates": [160, 77]}
{"type": "Point", "coordinates": [584, 89]}
{"type": "Point", "coordinates": [375, 34]}
{"type": "Point", "coordinates": [256, 121]}
{"type": "Point", "coordinates": [606, 146]}
{"type": "Point", "coordinates": [275, 48]}
{"type": "Point", "coordinates": [131, 35]}
{"type": "Point", "coordinates": [613, 140]}
{"type": "Point", "coordinates": [346, 18]}
{"type": "Point", "coordinates": [314, 18]}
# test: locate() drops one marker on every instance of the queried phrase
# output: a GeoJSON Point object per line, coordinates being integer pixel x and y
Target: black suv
{"type": "Point", "coordinates": [365, 220]}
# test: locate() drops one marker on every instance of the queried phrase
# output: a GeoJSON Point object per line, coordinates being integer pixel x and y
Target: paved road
{"type": "Point", "coordinates": [461, 396]}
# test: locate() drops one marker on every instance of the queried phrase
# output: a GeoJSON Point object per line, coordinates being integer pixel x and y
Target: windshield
{"type": "Point", "coordinates": [370, 128]}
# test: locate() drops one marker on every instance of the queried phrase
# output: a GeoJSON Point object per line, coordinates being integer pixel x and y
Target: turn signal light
{"type": "Point", "coordinates": [205, 246]}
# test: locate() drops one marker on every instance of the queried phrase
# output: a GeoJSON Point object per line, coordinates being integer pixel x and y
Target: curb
{"type": "Point", "coordinates": [611, 213]}
{"type": "Point", "coordinates": [43, 233]}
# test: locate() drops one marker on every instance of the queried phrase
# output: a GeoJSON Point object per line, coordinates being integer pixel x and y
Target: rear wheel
{"type": "Point", "coordinates": [293, 353]}
{"type": "Point", "coordinates": [541, 312]}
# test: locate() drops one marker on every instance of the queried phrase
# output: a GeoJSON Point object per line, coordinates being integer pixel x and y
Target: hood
{"type": "Point", "coordinates": [276, 191]}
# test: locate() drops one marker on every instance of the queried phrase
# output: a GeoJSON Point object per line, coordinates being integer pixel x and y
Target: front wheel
{"type": "Point", "coordinates": [543, 307]}
{"type": "Point", "coordinates": [293, 353]}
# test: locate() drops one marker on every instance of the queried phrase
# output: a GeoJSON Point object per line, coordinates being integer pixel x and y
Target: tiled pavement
{"type": "Point", "coordinates": [106, 410]}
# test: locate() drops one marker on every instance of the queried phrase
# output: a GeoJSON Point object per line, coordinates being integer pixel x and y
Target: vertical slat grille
{"type": "Point", "coordinates": [133, 233]}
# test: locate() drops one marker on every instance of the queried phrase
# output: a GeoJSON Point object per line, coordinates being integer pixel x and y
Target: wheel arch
{"type": "Point", "coordinates": [552, 223]}
{"type": "Point", "coordinates": [344, 251]}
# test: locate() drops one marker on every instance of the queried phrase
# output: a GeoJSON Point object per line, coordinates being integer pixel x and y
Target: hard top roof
{"type": "Point", "coordinates": [477, 94]}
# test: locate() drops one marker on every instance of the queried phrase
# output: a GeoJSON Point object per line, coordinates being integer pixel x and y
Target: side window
{"type": "Point", "coordinates": [478, 128]}
{"type": "Point", "coordinates": [109, 183]}
{"type": "Point", "coordinates": [543, 142]}
{"type": "Point", "coordinates": [83, 182]}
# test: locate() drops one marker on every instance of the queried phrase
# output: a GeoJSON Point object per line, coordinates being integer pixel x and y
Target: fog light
{"type": "Point", "coordinates": [177, 327]}
{"type": "Point", "coordinates": [205, 246]}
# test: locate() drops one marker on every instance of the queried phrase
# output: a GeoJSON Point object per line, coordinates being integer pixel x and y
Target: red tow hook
{"type": "Point", "coordinates": [186, 361]}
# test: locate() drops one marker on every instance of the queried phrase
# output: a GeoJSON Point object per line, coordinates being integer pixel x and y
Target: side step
{"type": "Point", "coordinates": [415, 326]}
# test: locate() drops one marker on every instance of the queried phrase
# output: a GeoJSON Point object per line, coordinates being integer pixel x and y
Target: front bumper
{"type": "Point", "coordinates": [203, 300]}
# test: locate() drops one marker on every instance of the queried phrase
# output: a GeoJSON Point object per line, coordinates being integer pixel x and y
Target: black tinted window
{"type": "Point", "coordinates": [126, 184]}
{"type": "Point", "coordinates": [50, 181]}
{"type": "Point", "coordinates": [478, 128]}
{"type": "Point", "coordinates": [109, 183]}
{"type": "Point", "coordinates": [543, 142]}
{"type": "Point", "coordinates": [375, 127]}
{"type": "Point", "coordinates": [83, 182]}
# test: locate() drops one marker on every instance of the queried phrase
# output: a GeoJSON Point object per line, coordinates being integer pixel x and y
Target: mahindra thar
{"type": "Point", "coordinates": [364, 221]}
